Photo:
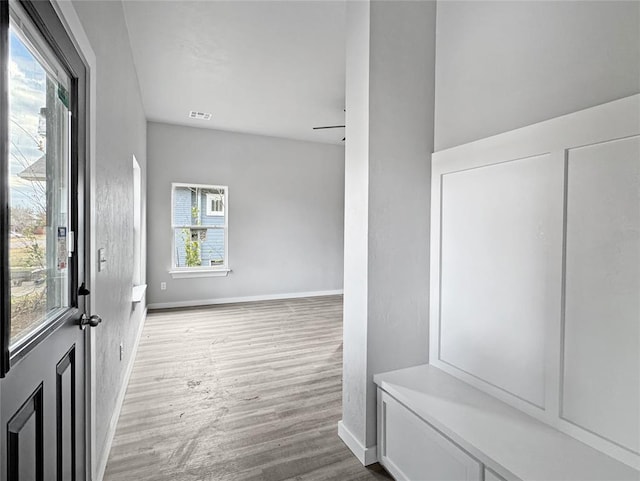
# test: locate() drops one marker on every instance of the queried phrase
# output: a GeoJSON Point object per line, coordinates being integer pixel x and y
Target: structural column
{"type": "Point", "coordinates": [389, 117]}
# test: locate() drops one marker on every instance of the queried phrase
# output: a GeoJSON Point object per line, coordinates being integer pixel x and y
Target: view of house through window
{"type": "Point", "coordinates": [199, 220]}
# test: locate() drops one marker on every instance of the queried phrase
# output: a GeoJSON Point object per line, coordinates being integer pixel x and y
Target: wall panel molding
{"type": "Point", "coordinates": [601, 331]}
{"type": "Point", "coordinates": [477, 265]}
{"type": "Point", "coordinates": [506, 212]}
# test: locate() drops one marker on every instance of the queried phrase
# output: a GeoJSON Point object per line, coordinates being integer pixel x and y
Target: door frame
{"type": "Point", "coordinates": [69, 18]}
{"type": "Point", "coordinates": [4, 190]}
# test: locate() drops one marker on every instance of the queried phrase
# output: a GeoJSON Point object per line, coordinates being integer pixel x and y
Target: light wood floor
{"type": "Point", "coordinates": [236, 392]}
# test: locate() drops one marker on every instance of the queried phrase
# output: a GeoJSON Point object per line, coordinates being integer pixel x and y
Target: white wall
{"type": "Point", "coordinates": [535, 277]}
{"type": "Point", "coordinates": [504, 65]}
{"type": "Point", "coordinates": [286, 203]}
{"type": "Point", "coordinates": [120, 133]}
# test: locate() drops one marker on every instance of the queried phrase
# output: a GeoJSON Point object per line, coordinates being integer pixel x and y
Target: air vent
{"type": "Point", "coordinates": [199, 115]}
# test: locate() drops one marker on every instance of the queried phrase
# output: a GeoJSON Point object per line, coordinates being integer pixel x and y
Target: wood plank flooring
{"type": "Point", "coordinates": [247, 391]}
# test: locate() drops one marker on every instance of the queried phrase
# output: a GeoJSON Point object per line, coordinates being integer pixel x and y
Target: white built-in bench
{"type": "Point", "coordinates": [433, 426]}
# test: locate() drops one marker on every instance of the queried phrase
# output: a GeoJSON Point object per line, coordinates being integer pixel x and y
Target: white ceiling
{"type": "Point", "coordinates": [266, 67]}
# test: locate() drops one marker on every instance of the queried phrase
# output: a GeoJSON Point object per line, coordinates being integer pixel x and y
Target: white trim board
{"type": "Point", "coordinates": [233, 300]}
{"type": "Point", "coordinates": [366, 456]}
{"type": "Point", "coordinates": [101, 463]}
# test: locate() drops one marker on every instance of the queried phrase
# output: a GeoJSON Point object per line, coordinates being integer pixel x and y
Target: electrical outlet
{"type": "Point", "coordinates": [121, 351]}
{"type": "Point", "coordinates": [163, 286]}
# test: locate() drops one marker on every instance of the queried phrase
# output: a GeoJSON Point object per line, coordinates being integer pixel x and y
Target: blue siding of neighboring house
{"type": "Point", "coordinates": [212, 247]}
{"type": "Point", "coordinates": [181, 206]}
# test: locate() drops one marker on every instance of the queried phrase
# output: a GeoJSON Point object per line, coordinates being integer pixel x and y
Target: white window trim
{"type": "Point", "coordinates": [187, 272]}
{"type": "Point", "coordinates": [200, 271]}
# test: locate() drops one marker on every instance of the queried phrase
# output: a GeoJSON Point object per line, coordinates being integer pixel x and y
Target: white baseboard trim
{"type": "Point", "coordinates": [366, 456]}
{"type": "Point", "coordinates": [231, 300]}
{"type": "Point", "coordinates": [104, 456]}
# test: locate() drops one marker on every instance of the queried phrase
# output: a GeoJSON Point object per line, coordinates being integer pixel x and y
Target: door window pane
{"type": "Point", "coordinates": [39, 130]}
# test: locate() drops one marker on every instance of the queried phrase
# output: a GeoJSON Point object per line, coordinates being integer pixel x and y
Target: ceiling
{"type": "Point", "coordinates": [266, 67]}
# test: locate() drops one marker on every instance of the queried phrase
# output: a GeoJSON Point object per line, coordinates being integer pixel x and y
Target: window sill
{"type": "Point", "coordinates": [184, 274]}
{"type": "Point", "coordinates": [138, 293]}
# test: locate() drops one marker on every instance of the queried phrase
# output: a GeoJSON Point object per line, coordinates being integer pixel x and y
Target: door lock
{"type": "Point", "coordinates": [92, 321]}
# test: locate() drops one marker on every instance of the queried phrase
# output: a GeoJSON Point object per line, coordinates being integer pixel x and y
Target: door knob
{"type": "Point", "coordinates": [92, 321]}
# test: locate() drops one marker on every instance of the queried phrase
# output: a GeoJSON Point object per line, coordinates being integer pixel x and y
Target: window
{"type": "Point", "coordinates": [39, 182]}
{"type": "Point", "coordinates": [199, 224]}
{"type": "Point", "coordinates": [215, 204]}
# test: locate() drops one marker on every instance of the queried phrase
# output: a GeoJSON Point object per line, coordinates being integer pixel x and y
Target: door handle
{"type": "Point", "coordinates": [92, 321]}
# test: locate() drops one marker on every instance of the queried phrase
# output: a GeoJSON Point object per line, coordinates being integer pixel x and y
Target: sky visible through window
{"type": "Point", "coordinates": [27, 87]}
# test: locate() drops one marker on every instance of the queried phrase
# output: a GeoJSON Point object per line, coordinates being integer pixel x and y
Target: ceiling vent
{"type": "Point", "coordinates": [199, 115]}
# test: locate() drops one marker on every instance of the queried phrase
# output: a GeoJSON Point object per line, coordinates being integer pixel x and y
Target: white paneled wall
{"type": "Point", "coordinates": [601, 349]}
{"type": "Point", "coordinates": [501, 227]}
{"type": "Point", "coordinates": [535, 267]}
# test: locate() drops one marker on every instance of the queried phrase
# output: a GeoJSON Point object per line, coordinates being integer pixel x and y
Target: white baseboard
{"type": "Point", "coordinates": [104, 456]}
{"type": "Point", "coordinates": [230, 300]}
{"type": "Point", "coordinates": [366, 456]}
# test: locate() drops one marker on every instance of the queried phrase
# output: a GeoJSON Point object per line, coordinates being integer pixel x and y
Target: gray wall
{"type": "Point", "coordinates": [286, 202]}
{"type": "Point", "coordinates": [390, 139]}
{"type": "Point", "coordinates": [504, 65]}
{"type": "Point", "coordinates": [400, 144]}
{"type": "Point", "coordinates": [121, 133]}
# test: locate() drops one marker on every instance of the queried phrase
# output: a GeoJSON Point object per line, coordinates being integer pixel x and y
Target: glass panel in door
{"type": "Point", "coordinates": [39, 178]}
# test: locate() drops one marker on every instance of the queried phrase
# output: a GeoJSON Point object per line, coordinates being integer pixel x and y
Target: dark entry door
{"type": "Point", "coordinates": [43, 238]}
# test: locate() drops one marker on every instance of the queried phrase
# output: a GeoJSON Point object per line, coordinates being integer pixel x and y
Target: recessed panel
{"type": "Point", "coordinates": [65, 417]}
{"type": "Point", "coordinates": [601, 384]}
{"type": "Point", "coordinates": [24, 441]}
{"type": "Point", "coordinates": [420, 452]}
{"type": "Point", "coordinates": [501, 229]}
{"type": "Point", "coordinates": [27, 456]}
